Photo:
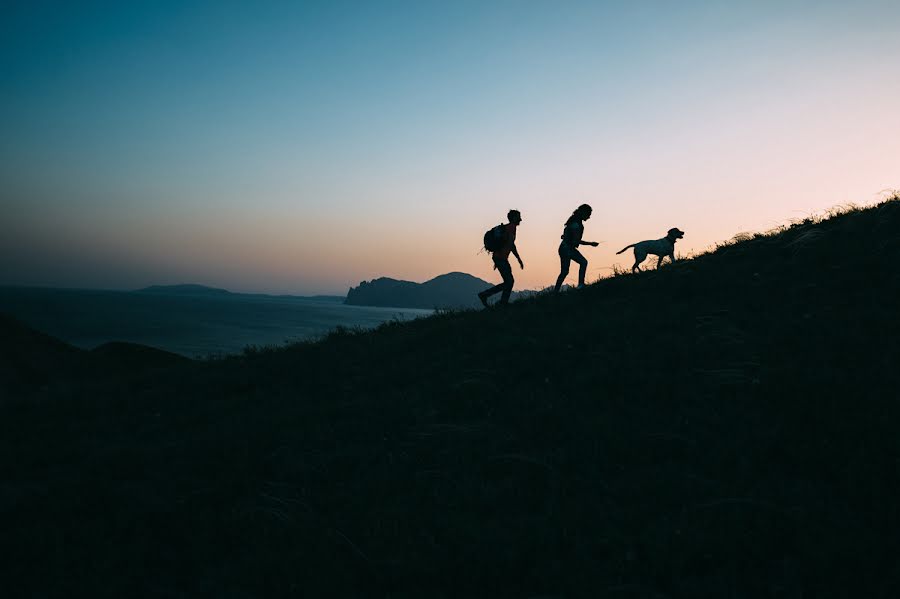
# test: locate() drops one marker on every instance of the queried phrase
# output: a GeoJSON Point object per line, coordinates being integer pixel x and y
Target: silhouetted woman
{"type": "Point", "coordinates": [568, 249]}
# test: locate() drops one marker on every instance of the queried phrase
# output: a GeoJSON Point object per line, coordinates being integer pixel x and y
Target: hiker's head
{"type": "Point", "coordinates": [514, 216]}
{"type": "Point", "coordinates": [583, 212]}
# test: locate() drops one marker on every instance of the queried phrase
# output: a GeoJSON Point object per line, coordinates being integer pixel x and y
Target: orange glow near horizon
{"type": "Point", "coordinates": [285, 160]}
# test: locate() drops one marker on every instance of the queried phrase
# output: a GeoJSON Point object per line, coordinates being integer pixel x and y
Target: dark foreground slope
{"type": "Point", "coordinates": [725, 427]}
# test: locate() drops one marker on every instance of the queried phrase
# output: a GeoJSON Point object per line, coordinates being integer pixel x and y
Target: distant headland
{"type": "Point", "coordinates": [452, 290]}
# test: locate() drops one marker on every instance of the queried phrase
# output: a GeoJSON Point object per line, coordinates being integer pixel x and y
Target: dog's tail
{"type": "Point", "coordinates": [625, 248]}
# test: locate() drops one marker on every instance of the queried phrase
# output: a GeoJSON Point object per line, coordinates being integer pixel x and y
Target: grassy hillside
{"type": "Point", "coordinates": [724, 427]}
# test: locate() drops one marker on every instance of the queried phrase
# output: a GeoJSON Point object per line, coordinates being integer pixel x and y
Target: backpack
{"type": "Point", "coordinates": [494, 238]}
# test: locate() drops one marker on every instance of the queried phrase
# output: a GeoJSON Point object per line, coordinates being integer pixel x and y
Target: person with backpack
{"type": "Point", "coordinates": [500, 241]}
{"type": "Point", "coordinates": [568, 249]}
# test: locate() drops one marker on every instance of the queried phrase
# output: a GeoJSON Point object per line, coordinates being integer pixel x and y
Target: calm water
{"type": "Point", "coordinates": [191, 325]}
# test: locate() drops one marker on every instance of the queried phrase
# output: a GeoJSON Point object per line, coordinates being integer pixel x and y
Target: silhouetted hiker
{"type": "Point", "coordinates": [568, 249]}
{"type": "Point", "coordinates": [504, 236]}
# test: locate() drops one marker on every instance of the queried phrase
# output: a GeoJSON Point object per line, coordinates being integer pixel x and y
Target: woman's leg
{"type": "Point", "coordinates": [563, 269]}
{"type": "Point", "coordinates": [582, 266]}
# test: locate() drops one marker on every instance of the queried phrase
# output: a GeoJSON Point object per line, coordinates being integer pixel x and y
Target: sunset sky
{"type": "Point", "coordinates": [291, 147]}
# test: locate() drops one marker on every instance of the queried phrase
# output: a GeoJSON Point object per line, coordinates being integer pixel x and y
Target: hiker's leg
{"type": "Point", "coordinates": [582, 266]}
{"type": "Point", "coordinates": [482, 297]}
{"type": "Point", "coordinates": [495, 289]}
{"type": "Point", "coordinates": [564, 261]}
{"type": "Point", "coordinates": [501, 265]}
{"type": "Point", "coordinates": [508, 280]}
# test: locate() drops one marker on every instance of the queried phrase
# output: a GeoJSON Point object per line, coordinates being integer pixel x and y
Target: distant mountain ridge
{"type": "Point", "coordinates": [451, 290]}
{"type": "Point", "coordinates": [184, 289]}
{"type": "Point", "coordinates": [195, 289]}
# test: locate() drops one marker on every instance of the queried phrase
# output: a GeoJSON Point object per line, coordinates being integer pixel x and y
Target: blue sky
{"type": "Point", "coordinates": [302, 147]}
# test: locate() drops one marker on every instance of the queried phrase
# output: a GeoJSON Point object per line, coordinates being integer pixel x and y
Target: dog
{"type": "Point", "coordinates": [658, 247]}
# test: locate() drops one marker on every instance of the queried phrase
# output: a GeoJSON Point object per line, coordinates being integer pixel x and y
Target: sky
{"type": "Point", "coordinates": [291, 147]}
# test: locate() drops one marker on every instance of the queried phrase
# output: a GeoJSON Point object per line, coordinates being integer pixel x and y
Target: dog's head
{"type": "Point", "coordinates": [675, 233]}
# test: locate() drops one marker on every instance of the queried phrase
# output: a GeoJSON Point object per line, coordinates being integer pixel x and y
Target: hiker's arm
{"type": "Point", "coordinates": [516, 254]}
{"type": "Point", "coordinates": [591, 243]}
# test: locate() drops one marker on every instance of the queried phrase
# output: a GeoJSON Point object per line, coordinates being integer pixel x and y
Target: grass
{"type": "Point", "coordinates": [721, 427]}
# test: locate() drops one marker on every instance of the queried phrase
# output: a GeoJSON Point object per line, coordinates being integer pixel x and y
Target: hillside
{"type": "Point", "coordinates": [452, 290]}
{"type": "Point", "coordinates": [29, 359]}
{"type": "Point", "coordinates": [723, 427]}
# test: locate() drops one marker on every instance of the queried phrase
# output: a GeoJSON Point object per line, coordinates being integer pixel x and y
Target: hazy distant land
{"type": "Point", "coordinates": [197, 320]}
{"type": "Point", "coordinates": [195, 289]}
{"type": "Point", "coordinates": [191, 320]}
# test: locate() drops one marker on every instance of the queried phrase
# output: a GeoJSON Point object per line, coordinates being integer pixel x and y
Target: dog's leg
{"type": "Point", "coordinates": [659, 262]}
{"type": "Point", "coordinates": [639, 257]}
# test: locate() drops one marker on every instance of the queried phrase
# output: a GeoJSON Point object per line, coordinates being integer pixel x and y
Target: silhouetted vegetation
{"type": "Point", "coordinates": [723, 427]}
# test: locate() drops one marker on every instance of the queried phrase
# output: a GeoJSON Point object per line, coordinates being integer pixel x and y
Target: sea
{"type": "Point", "coordinates": [194, 325]}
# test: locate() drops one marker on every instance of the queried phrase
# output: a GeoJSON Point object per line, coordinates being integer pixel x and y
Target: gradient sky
{"type": "Point", "coordinates": [293, 147]}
